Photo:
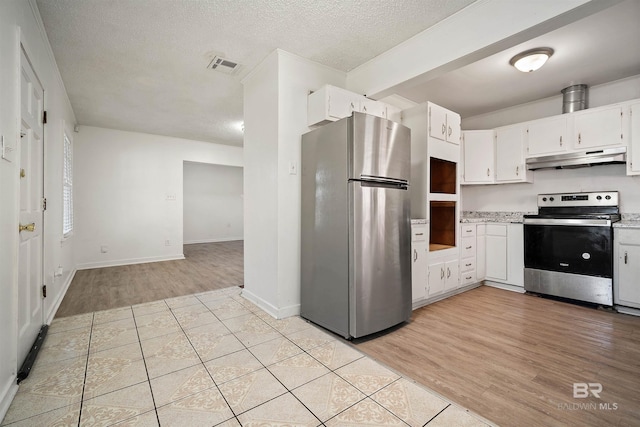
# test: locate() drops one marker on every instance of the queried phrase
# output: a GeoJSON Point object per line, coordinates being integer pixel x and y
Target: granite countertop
{"type": "Point", "coordinates": [626, 224]}
{"type": "Point", "coordinates": [629, 220]}
{"type": "Point", "coordinates": [502, 217]}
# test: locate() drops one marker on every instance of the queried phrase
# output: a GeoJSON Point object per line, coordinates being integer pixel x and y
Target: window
{"type": "Point", "coordinates": [67, 188]}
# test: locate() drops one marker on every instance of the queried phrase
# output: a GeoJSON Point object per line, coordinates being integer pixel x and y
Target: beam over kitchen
{"type": "Point", "coordinates": [482, 29]}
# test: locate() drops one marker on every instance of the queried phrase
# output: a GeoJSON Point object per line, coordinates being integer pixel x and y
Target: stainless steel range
{"type": "Point", "coordinates": [568, 246]}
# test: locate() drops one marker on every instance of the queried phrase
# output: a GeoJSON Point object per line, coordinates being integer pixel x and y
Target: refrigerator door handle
{"type": "Point", "coordinates": [382, 179]}
{"type": "Point", "coordinates": [381, 182]}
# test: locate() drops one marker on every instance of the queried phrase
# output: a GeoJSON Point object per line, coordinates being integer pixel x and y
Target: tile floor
{"type": "Point", "coordinates": [214, 359]}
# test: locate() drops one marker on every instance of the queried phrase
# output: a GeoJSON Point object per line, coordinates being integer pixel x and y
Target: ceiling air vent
{"type": "Point", "coordinates": [224, 65]}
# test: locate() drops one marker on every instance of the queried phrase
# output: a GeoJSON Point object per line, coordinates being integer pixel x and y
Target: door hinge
{"type": "Point", "coordinates": [44, 117]}
{"type": "Point", "coordinates": [44, 203]}
{"type": "Point", "coordinates": [44, 291]}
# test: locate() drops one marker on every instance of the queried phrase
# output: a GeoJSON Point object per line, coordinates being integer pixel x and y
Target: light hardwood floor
{"type": "Point", "coordinates": [514, 358]}
{"type": "Point", "coordinates": [207, 266]}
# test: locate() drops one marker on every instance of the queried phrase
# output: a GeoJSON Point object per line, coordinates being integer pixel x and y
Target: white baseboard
{"type": "Point", "coordinates": [421, 303]}
{"type": "Point", "coordinates": [116, 263]}
{"type": "Point", "coordinates": [276, 313]}
{"type": "Point", "coordinates": [225, 239]}
{"type": "Point", "coordinates": [505, 286]}
{"type": "Point", "coordinates": [8, 394]}
{"type": "Point", "coordinates": [56, 304]}
{"type": "Point", "coordinates": [627, 310]}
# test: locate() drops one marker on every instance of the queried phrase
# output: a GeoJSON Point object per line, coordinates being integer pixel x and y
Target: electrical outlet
{"type": "Point", "coordinates": [293, 168]}
{"type": "Point", "coordinates": [104, 249]}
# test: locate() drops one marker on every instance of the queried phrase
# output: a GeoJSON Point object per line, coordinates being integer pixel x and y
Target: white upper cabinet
{"type": "Point", "coordinates": [633, 157]}
{"type": "Point", "coordinates": [444, 124]}
{"type": "Point", "coordinates": [548, 136]}
{"type": "Point", "coordinates": [510, 154]}
{"type": "Point", "coordinates": [478, 157]}
{"type": "Point", "coordinates": [331, 103]}
{"type": "Point", "coordinates": [372, 107]}
{"type": "Point", "coordinates": [599, 127]}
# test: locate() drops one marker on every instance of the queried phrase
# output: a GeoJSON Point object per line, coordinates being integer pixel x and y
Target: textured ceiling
{"type": "Point", "coordinates": [597, 49]}
{"type": "Point", "coordinates": [140, 65]}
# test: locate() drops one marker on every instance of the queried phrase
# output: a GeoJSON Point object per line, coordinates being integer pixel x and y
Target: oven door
{"type": "Point", "coordinates": [576, 246]}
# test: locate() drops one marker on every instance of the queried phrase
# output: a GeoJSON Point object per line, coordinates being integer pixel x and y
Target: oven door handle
{"type": "Point", "coordinates": [569, 221]}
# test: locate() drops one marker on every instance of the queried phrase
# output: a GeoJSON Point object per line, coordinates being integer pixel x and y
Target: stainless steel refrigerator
{"type": "Point", "coordinates": [356, 227]}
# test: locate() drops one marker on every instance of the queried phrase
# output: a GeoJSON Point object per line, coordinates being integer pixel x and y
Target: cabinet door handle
{"type": "Point", "coordinates": [415, 255]}
{"type": "Point", "coordinates": [444, 129]}
{"type": "Point", "coordinates": [441, 273]}
{"type": "Point", "coordinates": [468, 277]}
{"type": "Point", "coordinates": [560, 140]}
{"type": "Point", "coordinates": [579, 138]}
{"type": "Point", "coordinates": [625, 257]}
{"type": "Point", "coordinates": [517, 170]}
{"type": "Point", "coordinates": [487, 171]}
{"type": "Point", "coordinates": [419, 234]}
{"type": "Point", "coordinates": [468, 264]}
{"type": "Point", "coordinates": [469, 231]}
{"type": "Point", "coordinates": [450, 130]}
{"type": "Point", "coordinates": [448, 272]}
{"type": "Point", "coordinates": [468, 247]}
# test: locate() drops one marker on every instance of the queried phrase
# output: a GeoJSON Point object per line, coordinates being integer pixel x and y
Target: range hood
{"type": "Point", "coordinates": [579, 159]}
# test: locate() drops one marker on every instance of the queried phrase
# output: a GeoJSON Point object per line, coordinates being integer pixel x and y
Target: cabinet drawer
{"type": "Point", "coordinates": [468, 230]}
{"type": "Point", "coordinates": [468, 247]}
{"type": "Point", "coordinates": [496, 230]}
{"type": "Point", "coordinates": [467, 278]}
{"type": "Point", "coordinates": [467, 264]}
{"type": "Point", "coordinates": [418, 233]}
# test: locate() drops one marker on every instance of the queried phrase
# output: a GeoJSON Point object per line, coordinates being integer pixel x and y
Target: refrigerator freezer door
{"type": "Point", "coordinates": [380, 258]}
{"type": "Point", "coordinates": [380, 148]}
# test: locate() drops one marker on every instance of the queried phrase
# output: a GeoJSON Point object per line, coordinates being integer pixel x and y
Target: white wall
{"type": "Point", "coordinates": [275, 116]}
{"type": "Point", "coordinates": [20, 22]}
{"type": "Point", "coordinates": [212, 206]}
{"type": "Point", "coordinates": [522, 197]}
{"type": "Point", "coordinates": [129, 194]}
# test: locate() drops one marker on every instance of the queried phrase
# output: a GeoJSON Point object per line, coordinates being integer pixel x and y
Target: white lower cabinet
{"type": "Point", "coordinates": [481, 252]}
{"type": "Point", "coordinates": [496, 247]}
{"type": "Point", "coordinates": [515, 255]}
{"type": "Point", "coordinates": [419, 267]}
{"type": "Point", "coordinates": [468, 263]}
{"type": "Point", "coordinates": [443, 277]}
{"type": "Point", "coordinates": [626, 286]}
{"type": "Point", "coordinates": [504, 245]}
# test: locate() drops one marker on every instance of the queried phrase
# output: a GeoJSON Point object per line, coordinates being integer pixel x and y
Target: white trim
{"type": "Point", "coordinates": [292, 310]}
{"type": "Point", "coordinates": [264, 305]}
{"type": "Point", "coordinates": [130, 261]}
{"type": "Point", "coordinates": [224, 239]}
{"type": "Point", "coordinates": [505, 286]}
{"type": "Point", "coordinates": [52, 58]}
{"type": "Point", "coordinates": [276, 313]}
{"type": "Point", "coordinates": [7, 396]}
{"type": "Point", "coordinates": [627, 310]}
{"type": "Point", "coordinates": [421, 303]}
{"type": "Point", "coordinates": [63, 292]}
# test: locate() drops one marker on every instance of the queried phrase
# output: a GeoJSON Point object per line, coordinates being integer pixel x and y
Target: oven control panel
{"type": "Point", "coordinates": [599, 198]}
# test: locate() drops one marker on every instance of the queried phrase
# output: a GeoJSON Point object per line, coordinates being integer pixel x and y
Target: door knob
{"type": "Point", "coordinates": [28, 227]}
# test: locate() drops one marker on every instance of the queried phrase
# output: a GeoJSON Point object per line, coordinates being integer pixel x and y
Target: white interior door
{"type": "Point", "coordinates": [30, 246]}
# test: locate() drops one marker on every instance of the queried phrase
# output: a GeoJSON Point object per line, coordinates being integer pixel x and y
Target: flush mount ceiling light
{"type": "Point", "coordinates": [531, 60]}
